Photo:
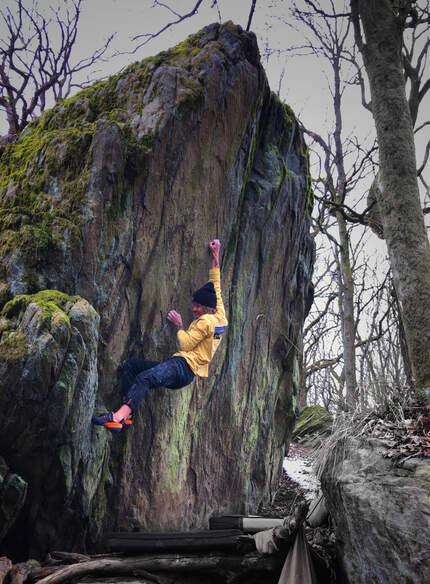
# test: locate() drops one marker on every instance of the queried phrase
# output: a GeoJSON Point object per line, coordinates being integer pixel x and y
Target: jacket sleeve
{"type": "Point", "coordinates": [215, 278]}
{"type": "Point", "coordinates": [197, 331]}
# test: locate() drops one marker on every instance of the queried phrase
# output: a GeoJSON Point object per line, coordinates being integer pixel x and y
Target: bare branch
{"type": "Point", "coordinates": [34, 67]}
{"type": "Point", "coordinates": [180, 17]}
{"type": "Point", "coordinates": [425, 159]}
{"type": "Point", "coordinates": [321, 314]}
{"type": "Point", "coordinates": [215, 3]}
{"type": "Point", "coordinates": [251, 14]}
{"type": "Point", "coordinates": [321, 12]}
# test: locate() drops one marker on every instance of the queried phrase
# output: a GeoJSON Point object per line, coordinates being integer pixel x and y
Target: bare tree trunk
{"type": "Point", "coordinates": [403, 343]}
{"type": "Point", "coordinates": [346, 278]}
{"type": "Point", "coordinates": [346, 282]}
{"type": "Point", "coordinates": [398, 200]}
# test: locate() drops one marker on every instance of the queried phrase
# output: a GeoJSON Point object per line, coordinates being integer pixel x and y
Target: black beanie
{"type": "Point", "coordinates": [206, 295]}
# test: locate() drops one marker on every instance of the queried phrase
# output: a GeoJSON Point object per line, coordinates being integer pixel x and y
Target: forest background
{"type": "Point", "coordinates": [355, 350]}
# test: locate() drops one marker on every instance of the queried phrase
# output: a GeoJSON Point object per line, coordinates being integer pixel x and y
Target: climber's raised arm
{"type": "Point", "coordinates": [214, 246]}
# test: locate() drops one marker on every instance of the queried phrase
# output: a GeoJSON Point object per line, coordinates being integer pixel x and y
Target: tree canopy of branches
{"type": "Point", "coordinates": [36, 59]}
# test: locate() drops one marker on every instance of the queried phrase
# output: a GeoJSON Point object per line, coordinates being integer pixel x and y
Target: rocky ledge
{"type": "Point", "coordinates": [376, 481]}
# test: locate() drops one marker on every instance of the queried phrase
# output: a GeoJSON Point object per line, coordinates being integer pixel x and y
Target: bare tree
{"type": "Point", "coordinates": [36, 59]}
{"type": "Point", "coordinates": [377, 344]}
{"type": "Point", "coordinates": [384, 24]}
{"type": "Point", "coordinates": [327, 35]}
{"type": "Point", "coordinates": [380, 363]}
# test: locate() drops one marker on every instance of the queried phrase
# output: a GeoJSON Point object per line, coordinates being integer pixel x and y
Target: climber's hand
{"type": "Point", "coordinates": [175, 318]}
{"type": "Point", "coordinates": [214, 246]}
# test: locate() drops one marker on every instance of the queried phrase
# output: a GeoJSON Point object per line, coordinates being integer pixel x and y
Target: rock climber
{"type": "Point", "coordinates": [197, 347]}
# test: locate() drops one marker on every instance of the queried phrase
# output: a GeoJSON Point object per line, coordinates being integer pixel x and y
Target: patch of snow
{"type": "Point", "coordinates": [299, 468]}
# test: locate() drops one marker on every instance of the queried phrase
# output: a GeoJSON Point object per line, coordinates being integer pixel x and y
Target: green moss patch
{"type": "Point", "coordinates": [36, 206]}
{"type": "Point", "coordinates": [13, 346]}
{"type": "Point", "coordinates": [289, 115]}
{"type": "Point", "coordinates": [309, 190]}
{"type": "Point", "coordinates": [178, 54]}
{"type": "Point", "coordinates": [50, 302]}
{"type": "Point", "coordinates": [313, 421]}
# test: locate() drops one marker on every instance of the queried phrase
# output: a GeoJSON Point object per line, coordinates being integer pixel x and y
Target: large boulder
{"type": "Point", "coordinates": [48, 387]}
{"type": "Point", "coordinates": [380, 509]}
{"type": "Point", "coordinates": [113, 196]}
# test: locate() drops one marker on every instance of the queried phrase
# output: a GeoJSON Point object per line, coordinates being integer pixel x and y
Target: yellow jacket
{"type": "Point", "coordinates": [199, 343]}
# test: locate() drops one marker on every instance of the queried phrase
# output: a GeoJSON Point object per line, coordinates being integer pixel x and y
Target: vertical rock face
{"type": "Point", "coordinates": [113, 195]}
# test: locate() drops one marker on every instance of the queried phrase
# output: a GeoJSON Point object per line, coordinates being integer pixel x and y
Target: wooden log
{"type": "Point", "coordinates": [220, 563]}
{"type": "Point", "coordinates": [139, 542]}
{"type": "Point", "coordinates": [45, 571]}
{"type": "Point", "coordinates": [19, 572]}
{"type": "Point", "coordinates": [156, 578]}
{"type": "Point", "coordinates": [42, 572]}
{"type": "Point", "coordinates": [246, 524]}
{"type": "Point", "coordinates": [69, 557]}
{"type": "Point", "coordinates": [5, 567]}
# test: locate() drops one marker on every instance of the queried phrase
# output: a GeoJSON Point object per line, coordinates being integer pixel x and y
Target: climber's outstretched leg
{"type": "Point", "coordinates": [130, 370]}
{"type": "Point", "coordinates": [174, 373]}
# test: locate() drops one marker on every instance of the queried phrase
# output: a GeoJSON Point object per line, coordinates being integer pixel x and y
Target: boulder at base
{"type": "Point", "coordinates": [381, 512]}
{"type": "Point", "coordinates": [48, 387]}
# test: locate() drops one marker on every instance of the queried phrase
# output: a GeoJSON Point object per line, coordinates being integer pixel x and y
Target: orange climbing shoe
{"type": "Point", "coordinates": [107, 421]}
{"type": "Point", "coordinates": [127, 422]}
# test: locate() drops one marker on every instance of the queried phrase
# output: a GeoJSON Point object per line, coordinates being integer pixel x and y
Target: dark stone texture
{"type": "Point", "coordinates": [48, 386]}
{"type": "Point", "coordinates": [313, 423]}
{"type": "Point", "coordinates": [13, 491]}
{"type": "Point", "coordinates": [381, 512]}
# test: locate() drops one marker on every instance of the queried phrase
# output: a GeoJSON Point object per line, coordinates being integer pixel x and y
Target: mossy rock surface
{"type": "Point", "coordinates": [48, 384]}
{"type": "Point", "coordinates": [312, 422]}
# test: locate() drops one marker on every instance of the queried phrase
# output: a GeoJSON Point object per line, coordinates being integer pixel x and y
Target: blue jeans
{"type": "Point", "coordinates": [139, 376]}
